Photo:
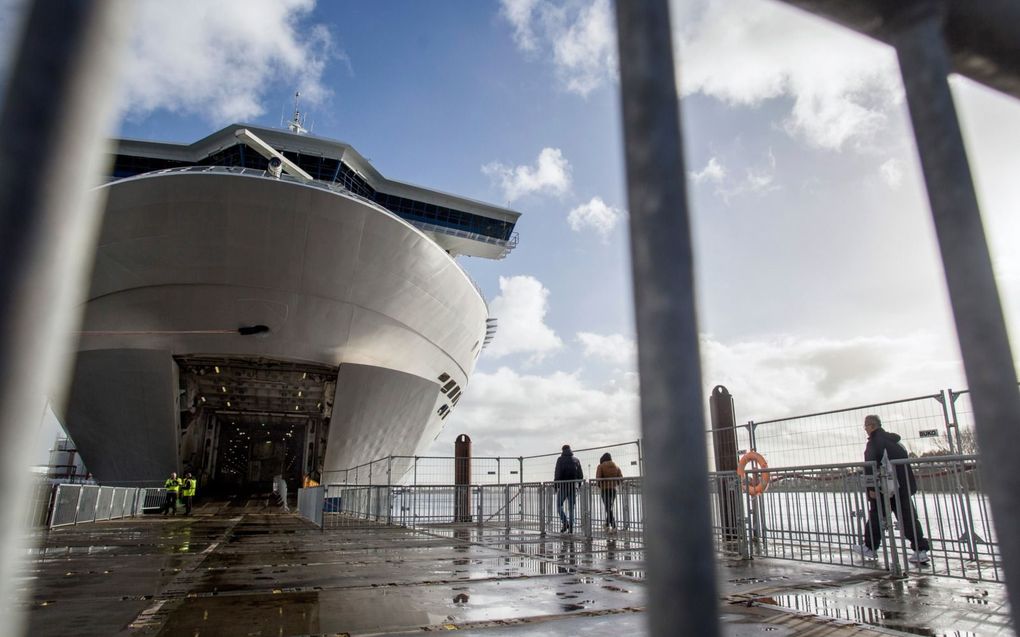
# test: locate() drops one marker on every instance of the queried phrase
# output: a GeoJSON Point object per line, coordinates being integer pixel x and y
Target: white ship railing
{"type": "Point", "coordinates": [508, 245]}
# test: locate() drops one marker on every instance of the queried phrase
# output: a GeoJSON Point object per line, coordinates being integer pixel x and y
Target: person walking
{"type": "Point", "coordinates": [882, 444]}
{"type": "Point", "coordinates": [566, 476]}
{"type": "Point", "coordinates": [608, 475]}
{"type": "Point", "coordinates": [188, 486]}
{"type": "Point", "coordinates": [173, 487]}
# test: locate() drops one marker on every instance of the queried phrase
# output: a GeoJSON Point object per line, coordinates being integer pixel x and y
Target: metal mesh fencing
{"type": "Point", "coordinates": [955, 517]}
{"type": "Point", "coordinates": [728, 514]}
{"type": "Point", "coordinates": [838, 436]}
{"type": "Point", "coordinates": [65, 505]}
{"type": "Point", "coordinates": [117, 503]}
{"type": "Point", "coordinates": [626, 455]}
{"type": "Point", "coordinates": [87, 504]}
{"type": "Point", "coordinates": [310, 502]}
{"type": "Point", "coordinates": [41, 494]}
{"type": "Point", "coordinates": [75, 504]}
{"type": "Point", "coordinates": [104, 503]}
{"type": "Point", "coordinates": [151, 498]}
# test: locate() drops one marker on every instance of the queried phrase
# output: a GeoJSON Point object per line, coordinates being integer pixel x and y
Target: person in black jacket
{"type": "Point", "coordinates": [568, 471]}
{"type": "Point", "coordinates": [882, 443]}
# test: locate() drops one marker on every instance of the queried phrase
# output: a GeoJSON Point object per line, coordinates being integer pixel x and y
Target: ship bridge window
{"type": "Point", "coordinates": [444, 377]}
{"type": "Point", "coordinates": [448, 386]}
{"type": "Point", "coordinates": [413, 210]}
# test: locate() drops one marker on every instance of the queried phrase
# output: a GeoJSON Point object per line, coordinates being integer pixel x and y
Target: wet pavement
{"type": "Point", "coordinates": [232, 570]}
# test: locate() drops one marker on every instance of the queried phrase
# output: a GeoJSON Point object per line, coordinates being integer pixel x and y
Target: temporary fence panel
{"type": "Point", "coordinates": [810, 513]}
{"type": "Point", "coordinates": [311, 504]}
{"type": "Point", "coordinates": [838, 436]}
{"type": "Point", "coordinates": [626, 455]}
{"type": "Point", "coordinates": [104, 503]}
{"type": "Point", "coordinates": [88, 503]}
{"type": "Point", "coordinates": [65, 505]}
{"type": "Point", "coordinates": [75, 504]}
{"type": "Point", "coordinates": [955, 517]}
{"type": "Point", "coordinates": [729, 524]}
{"type": "Point", "coordinates": [117, 503]}
{"type": "Point", "coordinates": [151, 499]}
{"type": "Point", "coordinates": [39, 504]}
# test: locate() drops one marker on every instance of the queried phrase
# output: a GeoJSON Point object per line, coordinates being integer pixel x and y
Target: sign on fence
{"type": "Point", "coordinates": [929, 433]}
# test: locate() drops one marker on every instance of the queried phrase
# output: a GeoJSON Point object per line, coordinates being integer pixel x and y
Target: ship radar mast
{"type": "Point", "coordinates": [296, 124]}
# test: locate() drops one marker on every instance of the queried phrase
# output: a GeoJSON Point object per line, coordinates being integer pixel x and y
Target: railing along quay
{"type": "Point", "coordinates": [811, 513]}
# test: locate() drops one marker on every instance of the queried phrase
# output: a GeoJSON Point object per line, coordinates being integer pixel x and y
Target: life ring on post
{"type": "Point", "coordinates": [754, 486]}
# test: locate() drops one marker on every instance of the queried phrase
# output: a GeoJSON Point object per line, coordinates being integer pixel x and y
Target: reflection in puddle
{"type": "Point", "coordinates": [828, 607]}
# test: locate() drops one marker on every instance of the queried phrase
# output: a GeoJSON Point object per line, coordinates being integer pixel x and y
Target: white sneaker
{"type": "Point", "coordinates": [919, 557]}
{"type": "Point", "coordinates": [864, 552]}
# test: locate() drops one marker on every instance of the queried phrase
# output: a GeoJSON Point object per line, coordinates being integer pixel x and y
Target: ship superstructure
{"type": "Point", "coordinates": [267, 303]}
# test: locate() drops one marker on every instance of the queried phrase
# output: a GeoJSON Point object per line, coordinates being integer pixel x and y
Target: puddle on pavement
{"type": "Point", "coordinates": [885, 618]}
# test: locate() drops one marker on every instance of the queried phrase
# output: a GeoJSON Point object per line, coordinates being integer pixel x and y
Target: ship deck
{"type": "Point", "coordinates": [245, 569]}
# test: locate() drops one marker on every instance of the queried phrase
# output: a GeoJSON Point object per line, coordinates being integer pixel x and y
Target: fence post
{"type": "Point", "coordinates": [506, 506]}
{"type": "Point", "coordinates": [886, 486]}
{"type": "Point", "coordinates": [640, 458]}
{"type": "Point", "coordinates": [541, 508]}
{"type": "Point", "coordinates": [77, 507]}
{"type": "Point", "coordinates": [626, 488]}
{"type": "Point", "coordinates": [481, 504]}
{"type": "Point", "coordinates": [586, 495]}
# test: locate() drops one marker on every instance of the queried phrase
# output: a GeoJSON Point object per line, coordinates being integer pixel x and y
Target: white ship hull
{"type": "Point", "coordinates": [346, 289]}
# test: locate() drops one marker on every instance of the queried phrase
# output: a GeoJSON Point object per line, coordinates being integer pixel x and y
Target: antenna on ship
{"type": "Point", "coordinates": [296, 124]}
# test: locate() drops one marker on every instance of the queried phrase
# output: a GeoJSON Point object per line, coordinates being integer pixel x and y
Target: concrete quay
{"type": "Point", "coordinates": [244, 569]}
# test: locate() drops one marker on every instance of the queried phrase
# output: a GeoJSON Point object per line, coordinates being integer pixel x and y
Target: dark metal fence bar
{"type": "Point", "coordinates": [981, 330]}
{"type": "Point", "coordinates": [54, 118]}
{"type": "Point", "coordinates": [681, 566]}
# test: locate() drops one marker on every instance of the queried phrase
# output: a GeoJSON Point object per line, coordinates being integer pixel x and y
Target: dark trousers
{"type": "Point", "coordinates": [609, 499]}
{"type": "Point", "coordinates": [170, 504]}
{"type": "Point", "coordinates": [908, 522]}
{"type": "Point", "coordinates": [186, 499]}
{"type": "Point", "coordinates": [566, 493]}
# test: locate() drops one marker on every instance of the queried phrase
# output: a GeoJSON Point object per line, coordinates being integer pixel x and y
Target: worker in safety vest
{"type": "Point", "coordinates": [173, 487]}
{"type": "Point", "coordinates": [188, 492]}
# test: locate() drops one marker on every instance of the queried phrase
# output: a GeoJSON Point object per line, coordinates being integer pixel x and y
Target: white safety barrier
{"type": "Point", "coordinates": [77, 503]}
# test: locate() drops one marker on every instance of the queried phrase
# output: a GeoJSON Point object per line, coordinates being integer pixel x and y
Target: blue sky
{"type": "Point", "coordinates": [818, 276]}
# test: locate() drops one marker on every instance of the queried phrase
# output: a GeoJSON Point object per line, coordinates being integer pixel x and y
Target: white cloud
{"type": "Point", "coordinates": [790, 375]}
{"type": "Point", "coordinates": [578, 35]}
{"type": "Point", "coordinates": [521, 308]}
{"type": "Point", "coordinates": [713, 171]}
{"type": "Point", "coordinates": [596, 215]}
{"type": "Point", "coordinates": [759, 178]}
{"type": "Point", "coordinates": [510, 413]}
{"type": "Point", "coordinates": [614, 348]}
{"type": "Point", "coordinates": [843, 85]}
{"type": "Point", "coordinates": [892, 172]}
{"type": "Point", "coordinates": [550, 174]}
{"type": "Point", "coordinates": [520, 14]}
{"type": "Point", "coordinates": [218, 60]}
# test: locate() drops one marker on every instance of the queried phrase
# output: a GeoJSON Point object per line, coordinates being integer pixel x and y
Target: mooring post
{"type": "Point", "coordinates": [462, 478]}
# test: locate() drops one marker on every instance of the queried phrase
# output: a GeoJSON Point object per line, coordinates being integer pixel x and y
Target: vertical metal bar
{"type": "Point", "coordinates": [541, 509]}
{"type": "Point", "coordinates": [681, 565]}
{"type": "Point", "coordinates": [984, 344]}
{"type": "Point", "coordinates": [56, 113]}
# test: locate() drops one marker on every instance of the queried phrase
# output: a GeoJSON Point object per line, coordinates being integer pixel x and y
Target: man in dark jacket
{"type": "Point", "coordinates": [568, 470]}
{"type": "Point", "coordinates": [881, 444]}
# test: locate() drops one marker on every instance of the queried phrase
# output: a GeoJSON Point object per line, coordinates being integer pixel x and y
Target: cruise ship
{"type": "Point", "coordinates": [264, 302]}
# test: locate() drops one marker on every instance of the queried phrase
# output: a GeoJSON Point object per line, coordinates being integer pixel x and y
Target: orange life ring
{"type": "Point", "coordinates": [753, 486]}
